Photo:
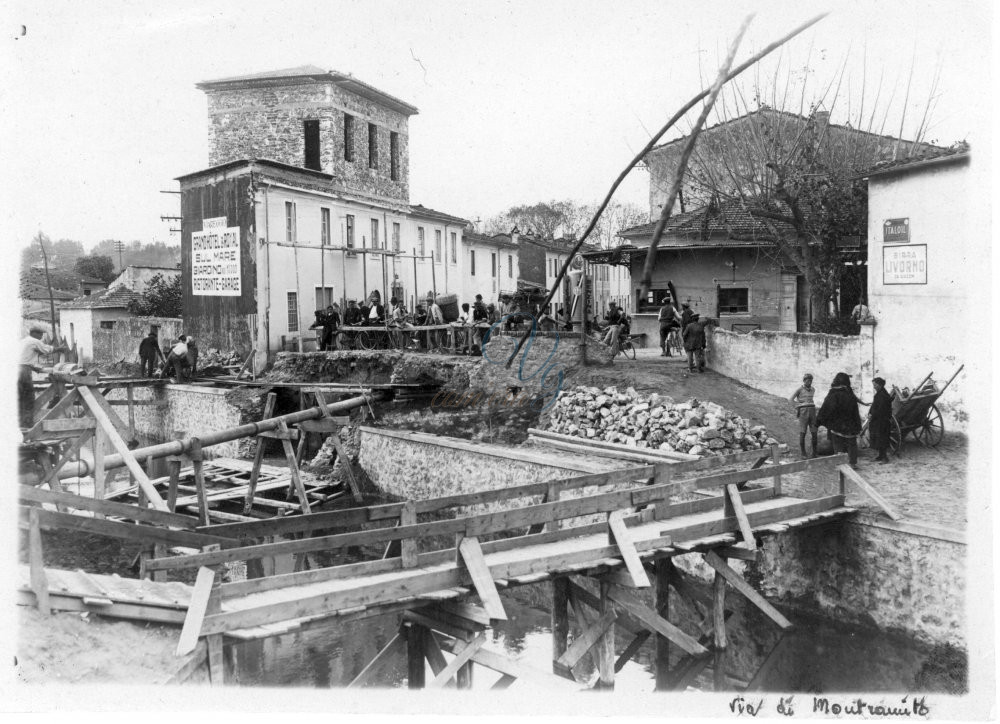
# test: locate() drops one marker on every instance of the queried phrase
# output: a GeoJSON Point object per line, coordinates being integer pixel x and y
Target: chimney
{"type": "Point", "coordinates": [514, 234]}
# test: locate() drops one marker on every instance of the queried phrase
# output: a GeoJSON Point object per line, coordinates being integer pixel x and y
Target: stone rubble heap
{"type": "Point", "coordinates": [654, 421]}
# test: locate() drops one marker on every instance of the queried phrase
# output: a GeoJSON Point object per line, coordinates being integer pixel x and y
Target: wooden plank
{"type": "Point", "coordinates": [651, 619]}
{"type": "Point", "coordinates": [395, 647]}
{"type": "Point", "coordinates": [628, 454]}
{"type": "Point", "coordinates": [258, 456]}
{"type": "Point", "coordinates": [68, 424]}
{"type": "Point", "coordinates": [415, 670]}
{"type": "Point", "coordinates": [620, 536]}
{"type": "Point", "coordinates": [604, 650]}
{"type": "Point", "coordinates": [408, 546]}
{"type": "Point", "coordinates": [776, 459]}
{"type": "Point", "coordinates": [345, 465]}
{"type": "Point", "coordinates": [744, 554]}
{"type": "Point", "coordinates": [98, 400]}
{"type": "Point", "coordinates": [39, 582]}
{"type": "Point", "coordinates": [424, 619]}
{"type": "Point", "coordinates": [865, 487]}
{"type": "Point", "coordinates": [586, 641]}
{"type": "Point", "coordinates": [131, 611]}
{"type": "Point", "coordinates": [663, 570]}
{"type": "Point", "coordinates": [719, 610]}
{"type": "Point", "coordinates": [555, 437]}
{"type": "Point", "coordinates": [631, 650]}
{"type": "Point", "coordinates": [293, 469]}
{"type": "Point", "coordinates": [197, 608]}
{"type": "Point", "coordinates": [130, 401]}
{"type": "Point", "coordinates": [121, 510]}
{"type": "Point", "coordinates": [479, 572]}
{"type": "Point", "coordinates": [737, 582]}
{"type": "Point", "coordinates": [435, 657]}
{"type": "Point", "coordinates": [51, 520]}
{"type": "Point", "coordinates": [195, 660]}
{"type": "Point", "coordinates": [463, 653]}
{"type": "Point", "coordinates": [42, 401]}
{"type": "Point", "coordinates": [216, 665]}
{"type": "Point", "coordinates": [468, 611]}
{"type": "Point", "coordinates": [516, 669]}
{"type": "Point", "coordinates": [732, 493]}
{"type": "Point", "coordinates": [560, 616]}
{"type": "Point", "coordinates": [675, 510]}
{"type": "Point", "coordinates": [121, 448]}
{"type": "Point", "coordinates": [58, 410]}
{"type": "Point", "coordinates": [197, 466]}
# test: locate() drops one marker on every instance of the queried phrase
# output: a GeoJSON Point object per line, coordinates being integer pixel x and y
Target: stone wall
{"type": "Point", "coordinates": [121, 343]}
{"type": "Point", "coordinates": [189, 408]}
{"type": "Point", "coordinates": [268, 123]}
{"type": "Point", "coordinates": [775, 361]}
{"type": "Point", "coordinates": [901, 578]}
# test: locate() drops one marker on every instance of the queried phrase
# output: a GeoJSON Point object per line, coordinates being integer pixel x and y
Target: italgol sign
{"type": "Point", "coordinates": [896, 231]}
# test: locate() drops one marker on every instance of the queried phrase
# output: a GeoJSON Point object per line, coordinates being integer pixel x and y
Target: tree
{"type": "Point", "coordinates": [794, 172]}
{"type": "Point", "coordinates": [162, 298]}
{"type": "Point", "coordinates": [545, 219]}
{"type": "Point", "coordinates": [99, 267]}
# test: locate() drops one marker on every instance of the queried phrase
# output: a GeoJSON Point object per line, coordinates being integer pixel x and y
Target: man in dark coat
{"type": "Point", "coordinates": [694, 342]}
{"type": "Point", "coordinates": [880, 420]}
{"type": "Point", "coordinates": [149, 351]}
{"type": "Point", "coordinates": [839, 415]}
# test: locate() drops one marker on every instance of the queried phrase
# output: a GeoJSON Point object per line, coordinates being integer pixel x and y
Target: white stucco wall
{"type": "Point", "coordinates": [484, 281]}
{"type": "Point", "coordinates": [925, 328]}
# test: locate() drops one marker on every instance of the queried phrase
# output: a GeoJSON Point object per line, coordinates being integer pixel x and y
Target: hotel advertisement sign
{"type": "Point", "coordinates": [896, 231]}
{"type": "Point", "coordinates": [904, 264]}
{"type": "Point", "coordinates": [215, 260]}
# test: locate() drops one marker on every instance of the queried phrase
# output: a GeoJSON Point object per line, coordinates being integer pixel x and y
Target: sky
{"type": "Point", "coordinates": [519, 101]}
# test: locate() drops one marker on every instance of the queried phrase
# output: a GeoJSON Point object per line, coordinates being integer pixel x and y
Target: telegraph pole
{"type": "Point", "coordinates": [120, 246]}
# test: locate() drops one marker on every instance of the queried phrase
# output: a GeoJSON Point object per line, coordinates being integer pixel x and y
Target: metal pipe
{"type": "Point", "coordinates": [179, 447]}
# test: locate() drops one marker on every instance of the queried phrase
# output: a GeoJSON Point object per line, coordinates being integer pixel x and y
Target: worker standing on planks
{"type": "Point", "coordinates": [32, 349]}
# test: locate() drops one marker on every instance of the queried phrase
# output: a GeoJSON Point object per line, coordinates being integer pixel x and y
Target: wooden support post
{"type": "Point", "coordinates": [408, 546]}
{"type": "Point", "coordinates": [131, 411]}
{"type": "Point", "coordinates": [36, 563]}
{"type": "Point", "coordinates": [846, 471]}
{"type": "Point", "coordinates": [463, 655]}
{"type": "Point", "coordinates": [719, 670]}
{"type": "Point", "coordinates": [199, 480]}
{"type": "Point", "coordinates": [551, 496]}
{"type": "Point", "coordinates": [560, 617]}
{"type": "Point", "coordinates": [258, 456]}
{"type": "Point", "coordinates": [174, 473]}
{"type": "Point", "coordinates": [618, 535]}
{"type": "Point", "coordinates": [737, 582]}
{"type": "Point", "coordinates": [479, 572]}
{"type": "Point", "coordinates": [390, 651]}
{"type": "Point", "coordinates": [732, 494]}
{"type": "Point", "coordinates": [415, 668]}
{"type": "Point", "coordinates": [99, 473]}
{"type": "Point", "coordinates": [606, 645]}
{"type": "Point", "coordinates": [293, 467]}
{"type": "Point", "coordinates": [719, 610]}
{"type": "Point", "coordinates": [776, 460]}
{"type": "Point", "coordinates": [662, 569]}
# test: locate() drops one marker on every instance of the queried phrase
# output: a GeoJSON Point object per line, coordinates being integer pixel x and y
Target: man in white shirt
{"type": "Point", "coordinates": [32, 349]}
{"type": "Point", "coordinates": [435, 317]}
{"type": "Point", "coordinates": [177, 360]}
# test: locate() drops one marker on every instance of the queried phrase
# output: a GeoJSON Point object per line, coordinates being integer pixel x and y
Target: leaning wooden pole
{"type": "Point", "coordinates": [48, 283]}
{"type": "Point", "coordinates": [646, 149]}
{"type": "Point", "coordinates": [179, 447]}
{"type": "Point", "coordinates": [647, 269]}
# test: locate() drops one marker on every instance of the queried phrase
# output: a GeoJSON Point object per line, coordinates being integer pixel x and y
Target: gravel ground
{"type": "Point", "coordinates": [927, 484]}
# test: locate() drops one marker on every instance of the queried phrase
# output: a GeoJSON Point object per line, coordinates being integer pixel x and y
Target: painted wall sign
{"type": "Point", "coordinates": [215, 260]}
{"type": "Point", "coordinates": [896, 231]}
{"type": "Point", "coordinates": [904, 264]}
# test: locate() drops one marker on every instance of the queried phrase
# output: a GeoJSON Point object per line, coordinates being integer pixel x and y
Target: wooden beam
{"type": "Point", "coordinates": [197, 608]}
{"type": "Point", "coordinates": [68, 424]}
{"type": "Point", "coordinates": [737, 582]}
{"type": "Point", "coordinates": [293, 469]}
{"type": "Point", "coordinates": [744, 554]}
{"type": "Point", "coordinates": [98, 400]}
{"type": "Point", "coordinates": [620, 537]}
{"type": "Point", "coordinates": [719, 610]}
{"type": "Point", "coordinates": [650, 618]}
{"type": "Point", "coordinates": [121, 448]}
{"type": "Point", "coordinates": [560, 616]}
{"type": "Point", "coordinates": [586, 641]}
{"type": "Point", "coordinates": [36, 563]}
{"type": "Point", "coordinates": [258, 456]}
{"type": "Point", "coordinates": [107, 507]}
{"type": "Point", "coordinates": [60, 408]}
{"type": "Point", "coordinates": [463, 653]}
{"type": "Point", "coordinates": [605, 648]}
{"type": "Point", "coordinates": [479, 572]}
{"type": "Point", "coordinates": [435, 657]}
{"type": "Point", "coordinates": [664, 572]}
{"type": "Point", "coordinates": [865, 487]}
{"type": "Point", "coordinates": [52, 476]}
{"type": "Point", "coordinates": [732, 494]}
{"type": "Point", "coordinates": [52, 520]}
{"type": "Point", "coordinates": [408, 546]}
{"type": "Point", "coordinates": [389, 652]}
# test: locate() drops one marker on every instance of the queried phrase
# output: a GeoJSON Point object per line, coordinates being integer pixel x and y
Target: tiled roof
{"type": "Point", "coordinates": [35, 291]}
{"type": "Point", "coordinates": [703, 226]}
{"type": "Point", "coordinates": [431, 213]}
{"type": "Point", "coordinates": [958, 152]}
{"type": "Point", "coordinates": [109, 298]}
{"type": "Point", "coordinates": [474, 237]}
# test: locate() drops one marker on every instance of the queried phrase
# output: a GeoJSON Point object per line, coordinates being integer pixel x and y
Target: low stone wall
{"type": "Point", "coordinates": [775, 361]}
{"type": "Point", "coordinates": [192, 409]}
{"type": "Point", "coordinates": [122, 342]}
{"type": "Point", "coordinates": [901, 578]}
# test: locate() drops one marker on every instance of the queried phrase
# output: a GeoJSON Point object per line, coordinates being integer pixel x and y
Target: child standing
{"type": "Point", "coordinates": [805, 411]}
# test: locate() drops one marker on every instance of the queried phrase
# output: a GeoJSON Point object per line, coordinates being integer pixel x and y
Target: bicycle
{"type": "Point", "coordinates": [625, 347]}
{"type": "Point", "coordinates": [674, 344]}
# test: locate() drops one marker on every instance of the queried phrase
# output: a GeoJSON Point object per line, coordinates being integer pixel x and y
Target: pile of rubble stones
{"type": "Point", "coordinates": [654, 421]}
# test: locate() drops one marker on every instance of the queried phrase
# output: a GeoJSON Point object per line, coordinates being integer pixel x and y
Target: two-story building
{"type": "Point", "coordinates": [306, 202]}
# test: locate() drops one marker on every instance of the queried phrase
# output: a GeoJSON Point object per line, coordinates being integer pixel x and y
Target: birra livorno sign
{"type": "Point", "coordinates": [215, 260]}
{"type": "Point", "coordinates": [896, 231]}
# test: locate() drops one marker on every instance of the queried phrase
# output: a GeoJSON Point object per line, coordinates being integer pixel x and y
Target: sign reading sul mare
{"type": "Point", "coordinates": [896, 231]}
{"type": "Point", "coordinates": [904, 264]}
{"type": "Point", "coordinates": [215, 260]}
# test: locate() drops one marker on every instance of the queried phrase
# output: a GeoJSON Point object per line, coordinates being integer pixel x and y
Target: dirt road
{"type": "Point", "coordinates": [925, 484]}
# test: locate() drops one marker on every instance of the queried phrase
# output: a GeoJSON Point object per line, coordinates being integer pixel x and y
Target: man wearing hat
{"type": "Point", "coordinates": [32, 349]}
{"type": "Point", "coordinates": [149, 352]}
{"type": "Point", "coordinates": [668, 322]}
{"type": "Point", "coordinates": [435, 317]}
{"type": "Point", "coordinates": [614, 320]}
{"type": "Point", "coordinates": [805, 411]}
{"type": "Point", "coordinates": [839, 415]}
{"type": "Point", "coordinates": [880, 420]}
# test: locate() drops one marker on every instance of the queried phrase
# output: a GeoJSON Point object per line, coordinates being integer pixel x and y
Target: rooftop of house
{"type": "Point", "coordinates": [91, 280]}
{"type": "Point", "coordinates": [786, 115]}
{"type": "Point", "coordinates": [958, 153]}
{"type": "Point", "coordinates": [306, 74]}
{"type": "Point", "coordinates": [703, 227]}
{"type": "Point", "coordinates": [437, 215]}
{"type": "Point", "coordinates": [118, 298]}
{"type": "Point", "coordinates": [470, 236]}
{"type": "Point", "coordinates": [37, 291]}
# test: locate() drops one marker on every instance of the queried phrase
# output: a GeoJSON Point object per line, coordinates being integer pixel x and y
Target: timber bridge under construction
{"type": "Point", "coordinates": [612, 543]}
